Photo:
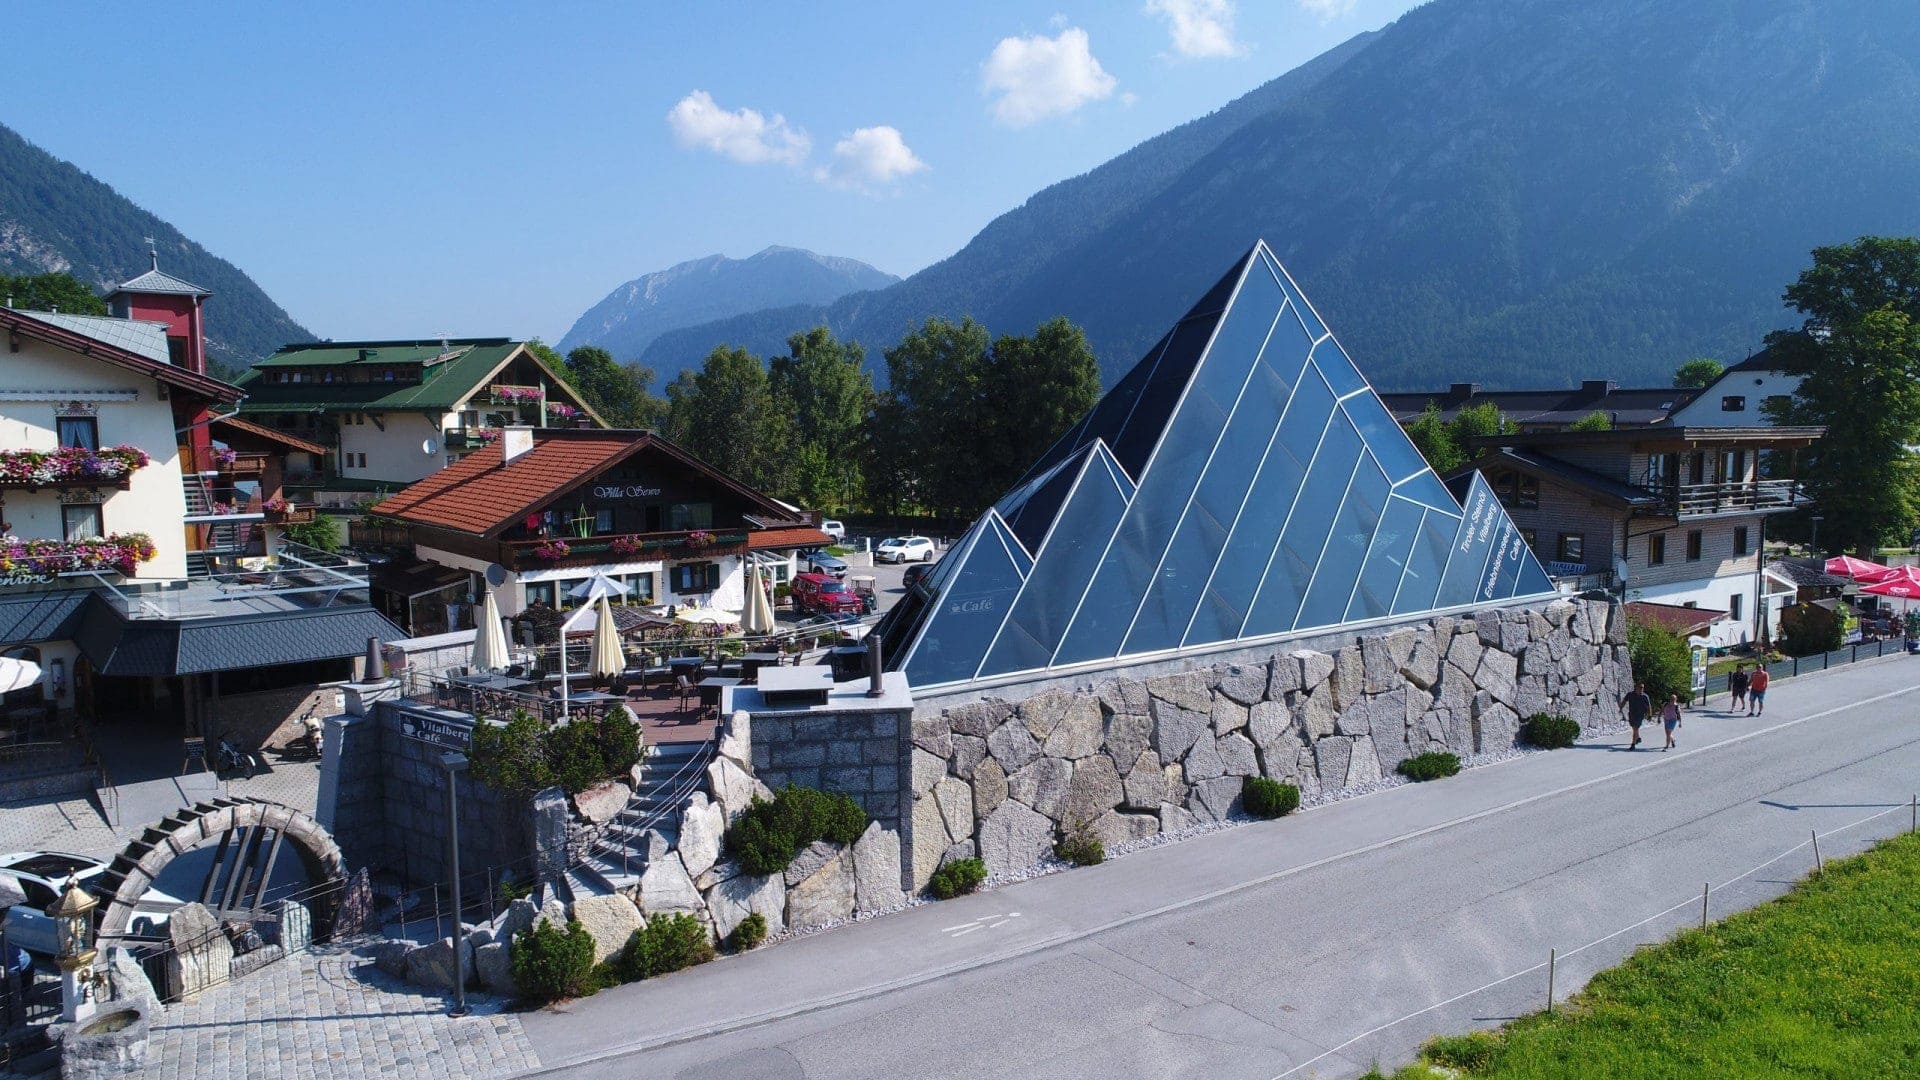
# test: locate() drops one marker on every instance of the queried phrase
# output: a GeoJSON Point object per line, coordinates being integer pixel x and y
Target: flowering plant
{"type": "Point", "coordinates": [225, 508]}
{"type": "Point", "coordinates": [516, 393]}
{"type": "Point", "coordinates": [275, 505]}
{"type": "Point", "coordinates": [69, 463]}
{"type": "Point", "coordinates": [489, 435]}
{"type": "Point", "coordinates": [562, 410]}
{"type": "Point", "coordinates": [552, 550]}
{"type": "Point", "coordinates": [122, 552]}
{"type": "Point", "coordinates": [224, 458]}
{"type": "Point", "coordinates": [627, 545]}
{"type": "Point", "coordinates": [699, 538]}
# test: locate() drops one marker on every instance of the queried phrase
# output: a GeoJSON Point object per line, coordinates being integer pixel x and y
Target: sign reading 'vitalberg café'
{"type": "Point", "coordinates": [435, 731]}
{"type": "Point", "coordinates": [624, 491]}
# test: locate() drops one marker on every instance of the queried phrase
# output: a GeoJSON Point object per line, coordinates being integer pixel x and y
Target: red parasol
{"type": "Point", "coordinates": [1901, 581]}
{"type": "Point", "coordinates": [1847, 566]}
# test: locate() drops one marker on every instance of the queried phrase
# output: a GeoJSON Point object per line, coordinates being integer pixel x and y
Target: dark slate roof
{"type": "Point", "coordinates": [262, 641]}
{"type": "Point", "coordinates": [1558, 471]}
{"type": "Point", "coordinates": [117, 646]}
{"type": "Point", "coordinates": [1626, 407]}
{"type": "Point", "coordinates": [1804, 572]}
{"type": "Point", "coordinates": [47, 616]}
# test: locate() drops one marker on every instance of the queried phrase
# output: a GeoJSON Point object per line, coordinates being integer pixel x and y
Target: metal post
{"type": "Point", "coordinates": [1913, 814]}
{"type": "Point", "coordinates": [874, 688]}
{"type": "Point", "coordinates": [1819, 867]}
{"type": "Point", "coordinates": [454, 763]}
{"type": "Point", "coordinates": [1705, 891]}
{"type": "Point", "coordinates": [1553, 956]}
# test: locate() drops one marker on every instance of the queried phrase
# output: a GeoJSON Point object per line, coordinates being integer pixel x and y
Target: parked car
{"type": "Point", "coordinates": [906, 549]}
{"type": "Point", "coordinates": [834, 529]}
{"type": "Point", "coordinates": [914, 574]}
{"type": "Point", "coordinates": [43, 876]}
{"type": "Point", "coordinates": [824, 595]}
{"type": "Point", "coordinates": [819, 562]}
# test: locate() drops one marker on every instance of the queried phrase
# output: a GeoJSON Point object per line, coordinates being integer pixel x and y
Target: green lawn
{"type": "Point", "coordinates": [1824, 982]}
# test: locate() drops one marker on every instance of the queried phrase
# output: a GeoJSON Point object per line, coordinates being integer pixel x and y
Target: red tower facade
{"type": "Point", "coordinates": [156, 296]}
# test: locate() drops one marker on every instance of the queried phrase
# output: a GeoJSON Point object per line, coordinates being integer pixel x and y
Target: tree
{"type": "Point", "coordinates": [934, 412]}
{"type": "Point", "coordinates": [618, 392]}
{"type": "Point", "coordinates": [51, 292]}
{"type": "Point", "coordinates": [823, 387]}
{"type": "Point", "coordinates": [1858, 352]}
{"type": "Point", "coordinates": [1593, 421]}
{"type": "Point", "coordinates": [1036, 388]}
{"type": "Point", "coordinates": [725, 415]}
{"type": "Point", "coordinates": [1481, 421]}
{"type": "Point", "coordinates": [1698, 372]}
{"type": "Point", "coordinates": [1433, 437]}
{"type": "Point", "coordinates": [1661, 660]}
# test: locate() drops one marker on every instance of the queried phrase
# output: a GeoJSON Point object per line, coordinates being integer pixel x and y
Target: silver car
{"type": "Point", "coordinates": [43, 876]}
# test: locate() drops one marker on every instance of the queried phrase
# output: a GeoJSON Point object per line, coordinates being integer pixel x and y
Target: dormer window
{"type": "Point", "coordinates": [1733, 403]}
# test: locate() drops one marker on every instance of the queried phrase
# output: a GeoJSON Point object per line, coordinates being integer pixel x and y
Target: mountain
{"type": "Point", "coordinates": [54, 217]}
{"type": "Point", "coordinates": [1515, 192]}
{"type": "Point", "coordinates": [716, 287]}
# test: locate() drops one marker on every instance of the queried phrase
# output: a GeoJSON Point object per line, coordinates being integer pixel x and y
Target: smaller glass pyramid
{"type": "Point", "coordinates": [1243, 483]}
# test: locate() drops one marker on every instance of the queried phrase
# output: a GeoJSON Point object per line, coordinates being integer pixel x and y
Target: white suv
{"type": "Point", "coordinates": [905, 549]}
{"type": "Point", "coordinates": [834, 529]}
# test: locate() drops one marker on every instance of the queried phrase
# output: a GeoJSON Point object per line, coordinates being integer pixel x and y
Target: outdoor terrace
{"type": "Point", "coordinates": [291, 582]}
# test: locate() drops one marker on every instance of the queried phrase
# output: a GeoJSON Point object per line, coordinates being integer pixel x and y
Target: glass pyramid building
{"type": "Point", "coordinates": [1242, 484]}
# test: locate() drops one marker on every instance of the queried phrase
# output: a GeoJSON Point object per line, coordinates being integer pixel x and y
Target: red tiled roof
{"type": "Point", "coordinates": [477, 494]}
{"type": "Point", "coordinates": [1674, 618]}
{"type": "Point", "coordinates": [247, 427]}
{"type": "Point", "coordinates": [804, 536]}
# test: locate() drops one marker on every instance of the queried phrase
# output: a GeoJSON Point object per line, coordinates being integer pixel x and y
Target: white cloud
{"type": "Point", "coordinates": [1037, 77]}
{"type": "Point", "coordinates": [870, 158]}
{"type": "Point", "coordinates": [1328, 10]}
{"type": "Point", "coordinates": [1204, 28]}
{"type": "Point", "coordinates": [744, 135]}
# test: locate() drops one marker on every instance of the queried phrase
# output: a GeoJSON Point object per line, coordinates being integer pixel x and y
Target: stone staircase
{"type": "Point", "coordinates": [650, 822]}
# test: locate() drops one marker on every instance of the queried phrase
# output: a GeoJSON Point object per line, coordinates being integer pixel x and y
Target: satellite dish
{"type": "Point", "coordinates": [428, 446]}
{"type": "Point", "coordinates": [496, 575]}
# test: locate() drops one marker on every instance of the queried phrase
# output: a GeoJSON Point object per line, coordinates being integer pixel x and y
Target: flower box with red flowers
{"type": "Point", "coordinates": [70, 466]}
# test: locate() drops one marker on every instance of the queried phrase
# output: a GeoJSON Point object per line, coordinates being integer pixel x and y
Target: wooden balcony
{"type": "Point", "coordinates": [634, 547]}
{"type": "Point", "coordinates": [245, 464]}
{"type": "Point", "coordinates": [1685, 501]}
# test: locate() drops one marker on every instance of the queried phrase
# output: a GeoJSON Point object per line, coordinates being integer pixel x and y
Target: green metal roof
{"type": "Point", "coordinates": [446, 383]}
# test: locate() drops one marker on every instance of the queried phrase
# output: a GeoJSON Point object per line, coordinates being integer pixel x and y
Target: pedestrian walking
{"type": "Point", "coordinates": [1670, 719]}
{"type": "Point", "coordinates": [1757, 691]}
{"type": "Point", "coordinates": [1636, 705]}
{"type": "Point", "coordinates": [1737, 682]}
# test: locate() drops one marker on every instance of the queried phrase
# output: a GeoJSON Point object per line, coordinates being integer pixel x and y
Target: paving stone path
{"type": "Point", "coordinates": [331, 1013]}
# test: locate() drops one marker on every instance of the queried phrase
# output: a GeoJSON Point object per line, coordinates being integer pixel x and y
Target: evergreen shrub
{"type": "Point", "coordinates": [1549, 732]}
{"type": "Point", "coordinates": [957, 878]}
{"type": "Point", "coordinates": [1431, 765]}
{"type": "Point", "coordinates": [769, 834]}
{"type": "Point", "coordinates": [1266, 798]}
{"type": "Point", "coordinates": [550, 963]}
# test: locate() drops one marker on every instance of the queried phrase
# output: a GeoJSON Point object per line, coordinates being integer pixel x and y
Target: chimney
{"type": "Point", "coordinates": [1462, 391]}
{"type": "Point", "coordinates": [1598, 388]}
{"type": "Point", "coordinates": [515, 439]}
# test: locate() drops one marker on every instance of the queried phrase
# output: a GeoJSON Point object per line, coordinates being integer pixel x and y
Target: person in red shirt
{"type": "Point", "coordinates": [1757, 692]}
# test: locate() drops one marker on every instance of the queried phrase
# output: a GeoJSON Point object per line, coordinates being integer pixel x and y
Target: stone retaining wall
{"type": "Point", "coordinates": [1129, 758]}
{"type": "Point", "coordinates": [859, 754]}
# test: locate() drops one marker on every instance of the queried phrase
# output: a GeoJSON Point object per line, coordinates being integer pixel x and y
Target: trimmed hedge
{"type": "Point", "coordinates": [957, 877]}
{"type": "Point", "coordinates": [665, 943]}
{"type": "Point", "coordinates": [768, 835]}
{"type": "Point", "coordinates": [550, 963]}
{"type": "Point", "coordinates": [1266, 798]}
{"type": "Point", "coordinates": [1549, 732]}
{"type": "Point", "coordinates": [750, 932]}
{"type": "Point", "coordinates": [1431, 765]}
{"type": "Point", "coordinates": [526, 755]}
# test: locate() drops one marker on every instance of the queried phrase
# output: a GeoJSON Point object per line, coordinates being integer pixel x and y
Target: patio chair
{"type": "Point", "coordinates": [687, 690]}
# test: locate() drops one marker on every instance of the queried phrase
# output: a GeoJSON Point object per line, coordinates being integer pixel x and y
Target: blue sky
{"type": "Point", "coordinates": [486, 168]}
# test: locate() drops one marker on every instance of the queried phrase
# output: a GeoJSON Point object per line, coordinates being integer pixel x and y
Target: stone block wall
{"type": "Point", "coordinates": [1128, 758]}
{"type": "Point", "coordinates": [861, 754]}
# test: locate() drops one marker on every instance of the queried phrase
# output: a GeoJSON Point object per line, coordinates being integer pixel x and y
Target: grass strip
{"type": "Point", "coordinates": [1821, 982]}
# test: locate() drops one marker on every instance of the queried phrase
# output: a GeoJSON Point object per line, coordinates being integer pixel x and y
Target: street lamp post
{"type": "Point", "coordinates": [455, 763]}
{"type": "Point", "coordinates": [72, 916]}
{"type": "Point", "coordinates": [1814, 542]}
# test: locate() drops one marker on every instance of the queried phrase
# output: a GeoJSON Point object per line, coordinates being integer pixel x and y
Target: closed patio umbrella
{"type": "Point", "coordinates": [608, 660]}
{"type": "Point", "coordinates": [490, 638]}
{"type": "Point", "coordinates": [17, 674]}
{"type": "Point", "coordinates": [758, 616]}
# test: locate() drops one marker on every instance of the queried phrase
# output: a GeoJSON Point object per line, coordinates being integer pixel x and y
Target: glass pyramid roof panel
{"type": "Point", "coordinates": [1243, 482]}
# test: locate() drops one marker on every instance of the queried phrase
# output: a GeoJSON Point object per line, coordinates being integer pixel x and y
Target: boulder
{"type": "Point", "coordinates": [1315, 669]}
{"type": "Point", "coordinates": [1228, 715]}
{"type": "Point", "coordinates": [1283, 677]}
{"type": "Point", "coordinates": [965, 849]}
{"type": "Point", "coordinates": [989, 788]}
{"type": "Point", "coordinates": [824, 896]}
{"type": "Point", "coordinates": [127, 981]}
{"type": "Point", "coordinates": [1349, 676]}
{"type": "Point", "coordinates": [733, 787]}
{"type": "Point", "coordinates": [927, 771]}
{"type": "Point", "coordinates": [1115, 828]}
{"type": "Point", "coordinates": [978, 718]}
{"type": "Point", "coordinates": [1204, 761]}
{"type": "Point", "coordinates": [1042, 712]}
{"type": "Point", "coordinates": [1244, 683]}
{"type": "Point", "coordinates": [1514, 631]}
{"type": "Point", "coordinates": [432, 964]}
{"type": "Point", "coordinates": [1013, 746]}
{"type": "Point", "coordinates": [602, 801]}
{"type": "Point", "coordinates": [1391, 750]}
{"type": "Point", "coordinates": [702, 826]}
{"type": "Point", "coordinates": [1125, 696]}
{"type": "Point", "coordinates": [1270, 725]}
{"type": "Point", "coordinates": [611, 920]}
{"type": "Point", "coordinates": [1236, 754]}
{"type": "Point", "coordinates": [1129, 733]}
{"type": "Point", "coordinates": [1379, 670]}
{"type": "Point", "coordinates": [1316, 714]}
{"type": "Point", "coordinates": [1176, 728]}
{"type": "Point", "coordinates": [955, 798]}
{"type": "Point", "coordinates": [390, 956]}
{"type": "Point", "coordinates": [1041, 786]}
{"type": "Point", "coordinates": [934, 735]}
{"type": "Point", "coordinates": [736, 739]}
{"type": "Point", "coordinates": [1356, 718]}
{"type": "Point", "coordinates": [876, 870]}
{"type": "Point", "coordinates": [1422, 669]}
{"type": "Point", "coordinates": [553, 913]}
{"type": "Point", "coordinates": [744, 894]}
{"type": "Point", "coordinates": [1215, 800]}
{"type": "Point", "coordinates": [201, 957]}
{"type": "Point", "coordinates": [296, 926]}
{"type": "Point", "coordinates": [666, 886]}
{"type": "Point", "coordinates": [929, 837]}
{"type": "Point", "coordinates": [1145, 787]}
{"type": "Point", "coordinates": [1014, 838]}
{"type": "Point", "coordinates": [968, 753]}
{"type": "Point", "coordinates": [1094, 790]}
{"type": "Point", "coordinates": [811, 858]}
{"type": "Point", "coordinates": [1078, 732]}
{"type": "Point", "coordinates": [518, 917]}
{"type": "Point", "coordinates": [1363, 766]}
{"type": "Point", "coordinates": [493, 966]}
{"type": "Point", "coordinates": [1186, 690]}
{"type": "Point", "coordinates": [1497, 675]}
{"type": "Point", "coordinates": [1173, 818]}
{"type": "Point", "coordinates": [1332, 756]}
{"type": "Point", "coordinates": [1464, 652]}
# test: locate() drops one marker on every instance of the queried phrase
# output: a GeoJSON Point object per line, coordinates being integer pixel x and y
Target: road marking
{"type": "Point", "coordinates": [908, 982]}
{"type": "Point", "coordinates": [985, 922]}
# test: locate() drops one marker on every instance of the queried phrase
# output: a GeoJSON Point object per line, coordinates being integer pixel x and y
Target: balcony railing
{"type": "Point", "coordinates": [623, 547]}
{"type": "Point", "coordinates": [70, 466]}
{"type": "Point", "coordinates": [472, 438]}
{"type": "Point", "coordinates": [1726, 497]}
{"type": "Point", "coordinates": [240, 463]}
{"type": "Point", "coordinates": [510, 394]}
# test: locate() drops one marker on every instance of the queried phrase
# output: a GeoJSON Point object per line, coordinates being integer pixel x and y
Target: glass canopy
{"type": "Point", "coordinates": [1242, 483]}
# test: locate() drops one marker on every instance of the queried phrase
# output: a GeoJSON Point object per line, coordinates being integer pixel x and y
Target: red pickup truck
{"type": "Point", "coordinates": [819, 594]}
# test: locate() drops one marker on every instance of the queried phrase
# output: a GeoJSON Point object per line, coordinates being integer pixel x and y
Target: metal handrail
{"type": "Point", "coordinates": [680, 785]}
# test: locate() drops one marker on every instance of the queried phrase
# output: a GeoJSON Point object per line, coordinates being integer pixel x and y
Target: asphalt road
{"type": "Point", "coordinates": [1312, 946]}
